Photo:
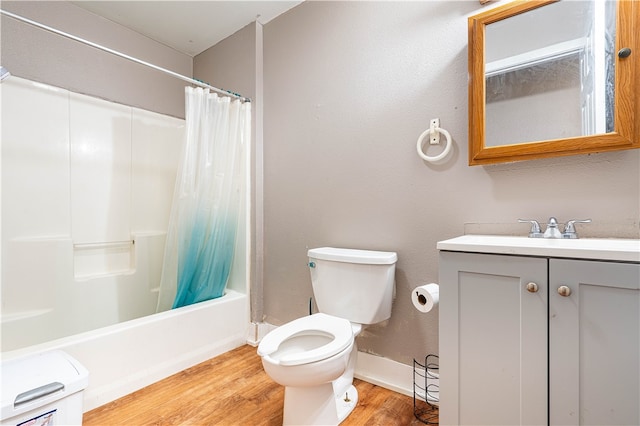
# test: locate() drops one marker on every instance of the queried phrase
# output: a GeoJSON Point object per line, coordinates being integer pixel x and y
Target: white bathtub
{"type": "Point", "coordinates": [125, 357]}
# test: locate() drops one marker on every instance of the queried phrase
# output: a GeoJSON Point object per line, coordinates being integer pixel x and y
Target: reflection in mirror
{"type": "Point", "coordinates": [550, 78]}
{"type": "Point", "coordinates": [561, 75]}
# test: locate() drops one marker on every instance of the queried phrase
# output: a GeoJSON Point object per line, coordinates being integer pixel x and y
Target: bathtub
{"type": "Point", "coordinates": [125, 357]}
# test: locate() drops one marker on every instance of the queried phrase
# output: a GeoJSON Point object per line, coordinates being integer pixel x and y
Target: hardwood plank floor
{"type": "Point", "coordinates": [233, 389]}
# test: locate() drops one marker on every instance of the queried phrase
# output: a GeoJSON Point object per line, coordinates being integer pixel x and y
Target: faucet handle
{"type": "Point", "coordinates": [570, 229]}
{"type": "Point", "coordinates": [535, 231]}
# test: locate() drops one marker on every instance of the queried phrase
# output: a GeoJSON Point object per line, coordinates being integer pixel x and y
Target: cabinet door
{"type": "Point", "coordinates": [594, 343]}
{"type": "Point", "coordinates": [493, 340]}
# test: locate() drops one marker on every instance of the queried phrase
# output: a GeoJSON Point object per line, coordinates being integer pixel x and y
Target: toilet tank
{"type": "Point", "coordinates": [357, 285]}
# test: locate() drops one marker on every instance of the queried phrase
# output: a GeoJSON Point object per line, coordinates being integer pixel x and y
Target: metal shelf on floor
{"type": "Point", "coordinates": [426, 390]}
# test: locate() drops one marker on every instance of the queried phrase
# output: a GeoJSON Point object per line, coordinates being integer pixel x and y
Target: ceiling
{"type": "Point", "coordinates": [187, 26]}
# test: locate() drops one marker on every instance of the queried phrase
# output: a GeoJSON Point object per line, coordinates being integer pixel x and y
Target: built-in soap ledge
{"type": "Point", "coordinates": [95, 260]}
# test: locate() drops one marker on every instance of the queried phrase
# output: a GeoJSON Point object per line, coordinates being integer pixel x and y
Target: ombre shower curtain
{"type": "Point", "coordinates": [201, 237]}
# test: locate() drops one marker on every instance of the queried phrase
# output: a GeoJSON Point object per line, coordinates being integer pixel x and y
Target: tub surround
{"type": "Point", "coordinates": [87, 193]}
{"type": "Point", "coordinates": [62, 304]}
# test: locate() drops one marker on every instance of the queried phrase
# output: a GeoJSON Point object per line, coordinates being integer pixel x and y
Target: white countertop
{"type": "Point", "coordinates": [626, 250]}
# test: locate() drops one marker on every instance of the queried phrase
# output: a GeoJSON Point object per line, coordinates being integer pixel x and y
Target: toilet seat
{"type": "Point", "coordinates": [338, 328]}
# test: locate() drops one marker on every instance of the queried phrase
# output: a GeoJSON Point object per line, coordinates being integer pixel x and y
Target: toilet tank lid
{"type": "Point", "coordinates": [353, 256]}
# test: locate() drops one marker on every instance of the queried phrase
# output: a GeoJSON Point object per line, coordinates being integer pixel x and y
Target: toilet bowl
{"type": "Point", "coordinates": [310, 356]}
{"type": "Point", "coordinates": [307, 351]}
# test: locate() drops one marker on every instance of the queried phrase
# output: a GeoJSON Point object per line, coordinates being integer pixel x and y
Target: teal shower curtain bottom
{"type": "Point", "coordinates": [200, 242]}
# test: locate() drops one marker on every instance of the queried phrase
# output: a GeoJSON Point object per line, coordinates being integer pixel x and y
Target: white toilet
{"type": "Point", "coordinates": [314, 357]}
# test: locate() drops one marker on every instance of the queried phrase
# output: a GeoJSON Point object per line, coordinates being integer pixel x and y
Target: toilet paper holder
{"type": "Point", "coordinates": [425, 297]}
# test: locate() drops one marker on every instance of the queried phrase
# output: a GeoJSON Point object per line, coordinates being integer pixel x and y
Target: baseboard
{"type": "Point", "coordinates": [256, 331]}
{"type": "Point", "coordinates": [374, 369]}
{"type": "Point", "coordinates": [385, 373]}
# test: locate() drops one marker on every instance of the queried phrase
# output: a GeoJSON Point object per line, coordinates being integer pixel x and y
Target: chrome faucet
{"type": "Point", "coordinates": [552, 230]}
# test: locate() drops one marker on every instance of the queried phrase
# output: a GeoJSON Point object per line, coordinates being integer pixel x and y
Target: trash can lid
{"type": "Point", "coordinates": [36, 380]}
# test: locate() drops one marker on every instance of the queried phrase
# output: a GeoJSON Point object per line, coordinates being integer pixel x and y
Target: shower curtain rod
{"type": "Point", "coordinates": [123, 55]}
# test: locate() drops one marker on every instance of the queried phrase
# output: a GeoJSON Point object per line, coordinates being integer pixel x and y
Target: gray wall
{"type": "Point", "coordinates": [349, 87]}
{"type": "Point", "coordinates": [230, 64]}
{"type": "Point", "coordinates": [38, 55]}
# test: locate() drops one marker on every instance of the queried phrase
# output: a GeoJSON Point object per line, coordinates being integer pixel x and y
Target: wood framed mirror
{"type": "Point", "coordinates": [552, 78]}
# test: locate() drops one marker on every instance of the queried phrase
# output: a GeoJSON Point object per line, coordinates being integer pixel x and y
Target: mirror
{"type": "Point", "coordinates": [551, 78]}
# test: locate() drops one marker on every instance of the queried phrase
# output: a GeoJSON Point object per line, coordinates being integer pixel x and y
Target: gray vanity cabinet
{"type": "Point", "coordinates": [493, 339]}
{"type": "Point", "coordinates": [594, 342]}
{"type": "Point", "coordinates": [518, 348]}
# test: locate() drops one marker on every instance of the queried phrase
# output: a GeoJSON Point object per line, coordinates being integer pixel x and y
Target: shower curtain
{"type": "Point", "coordinates": [204, 216]}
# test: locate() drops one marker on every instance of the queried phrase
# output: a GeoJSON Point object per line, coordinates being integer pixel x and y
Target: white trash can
{"type": "Point", "coordinates": [43, 389]}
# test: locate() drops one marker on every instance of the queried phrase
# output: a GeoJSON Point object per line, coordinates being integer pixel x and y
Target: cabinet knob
{"type": "Point", "coordinates": [564, 291]}
{"type": "Point", "coordinates": [532, 287]}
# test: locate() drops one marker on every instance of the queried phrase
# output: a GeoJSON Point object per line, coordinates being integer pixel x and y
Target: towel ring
{"type": "Point", "coordinates": [445, 151]}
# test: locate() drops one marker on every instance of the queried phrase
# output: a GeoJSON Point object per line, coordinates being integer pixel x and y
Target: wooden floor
{"type": "Point", "coordinates": [233, 389]}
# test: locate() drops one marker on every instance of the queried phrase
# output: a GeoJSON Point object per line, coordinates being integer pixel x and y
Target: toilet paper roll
{"type": "Point", "coordinates": [425, 297]}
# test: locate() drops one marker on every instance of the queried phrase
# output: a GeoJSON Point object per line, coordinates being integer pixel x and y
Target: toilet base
{"type": "Point", "coordinates": [317, 405]}
{"type": "Point", "coordinates": [346, 402]}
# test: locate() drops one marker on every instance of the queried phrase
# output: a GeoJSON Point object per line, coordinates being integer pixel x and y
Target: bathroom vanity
{"type": "Point", "coordinates": [539, 331]}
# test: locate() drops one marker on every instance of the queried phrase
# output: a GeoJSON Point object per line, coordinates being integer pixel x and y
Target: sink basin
{"type": "Point", "coordinates": [625, 250]}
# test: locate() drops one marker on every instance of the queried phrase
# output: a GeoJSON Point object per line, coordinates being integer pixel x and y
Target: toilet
{"type": "Point", "coordinates": [314, 357]}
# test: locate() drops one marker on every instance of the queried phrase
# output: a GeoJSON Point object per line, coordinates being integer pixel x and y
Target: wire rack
{"type": "Point", "coordinates": [426, 390]}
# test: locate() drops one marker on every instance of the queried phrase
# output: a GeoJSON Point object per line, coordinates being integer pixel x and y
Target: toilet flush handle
{"type": "Point", "coordinates": [312, 264]}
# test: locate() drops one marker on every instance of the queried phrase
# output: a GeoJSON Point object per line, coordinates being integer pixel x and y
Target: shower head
{"type": "Point", "coordinates": [4, 73]}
